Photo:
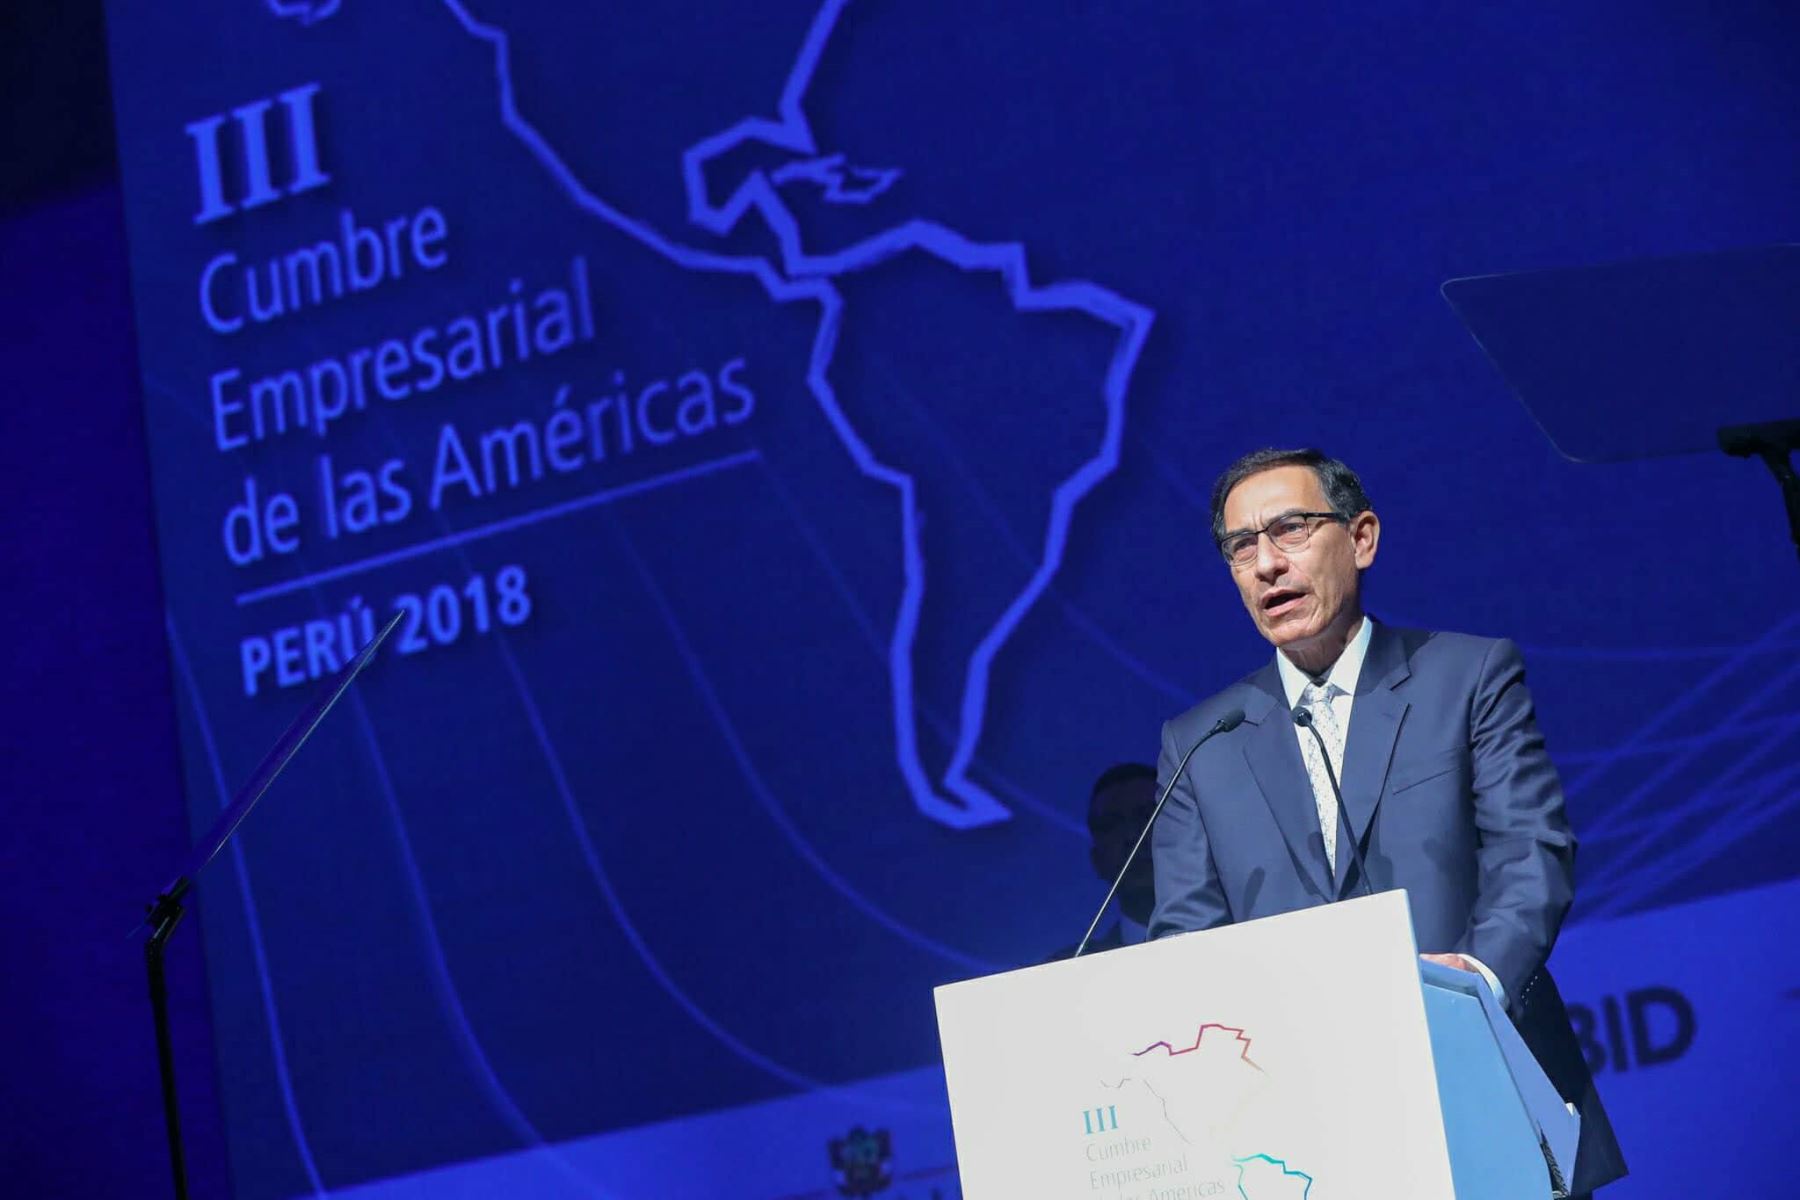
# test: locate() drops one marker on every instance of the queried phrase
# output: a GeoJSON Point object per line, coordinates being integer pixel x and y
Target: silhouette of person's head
{"type": "Point", "coordinates": [1118, 807]}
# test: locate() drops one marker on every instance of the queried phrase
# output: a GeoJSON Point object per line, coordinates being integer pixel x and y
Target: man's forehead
{"type": "Point", "coordinates": [1267, 494]}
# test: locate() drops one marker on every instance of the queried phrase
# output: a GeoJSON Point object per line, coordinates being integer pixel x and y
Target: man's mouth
{"type": "Point", "coordinates": [1280, 601]}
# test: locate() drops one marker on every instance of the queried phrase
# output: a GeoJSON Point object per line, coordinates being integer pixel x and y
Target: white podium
{"type": "Point", "coordinates": [1300, 1057]}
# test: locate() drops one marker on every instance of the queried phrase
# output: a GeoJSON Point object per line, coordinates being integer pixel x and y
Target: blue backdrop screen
{"type": "Point", "coordinates": [787, 430]}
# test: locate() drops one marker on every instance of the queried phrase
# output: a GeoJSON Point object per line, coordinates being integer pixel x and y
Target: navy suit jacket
{"type": "Point", "coordinates": [1450, 793]}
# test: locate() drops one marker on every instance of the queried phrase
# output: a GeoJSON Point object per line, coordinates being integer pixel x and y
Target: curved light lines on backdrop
{"type": "Point", "coordinates": [634, 937]}
{"type": "Point", "coordinates": [1624, 872]}
{"type": "Point", "coordinates": [444, 985]}
{"type": "Point", "coordinates": [252, 923]}
{"type": "Point", "coordinates": [442, 981]}
{"type": "Point", "coordinates": [1688, 698]}
{"type": "Point", "coordinates": [758, 788]}
{"type": "Point", "coordinates": [596, 868]}
{"type": "Point", "coordinates": [1631, 871]}
{"type": "Point", "coordinates": [778, 815]}
{"type": "Point", "coordinates": [1654, 747]}
{"type": "Point", "coordinates": [615, 903]}
{"type": "Point", "coordinates": [803, 277]}
{"type": "Point", "coordinates": [446, 990]}
{"type": "Point", "coordinates": [1757, 802]}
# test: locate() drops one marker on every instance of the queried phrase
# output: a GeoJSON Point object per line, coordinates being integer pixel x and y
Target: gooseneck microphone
{"type": "Point", "coordinates": [1224, 724]}
{"type": "Point", "coordinates": [1304, 719]}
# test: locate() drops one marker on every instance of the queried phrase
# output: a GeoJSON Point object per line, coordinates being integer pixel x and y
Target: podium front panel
{"type": "Point", "coordinates": [1280, 1059]}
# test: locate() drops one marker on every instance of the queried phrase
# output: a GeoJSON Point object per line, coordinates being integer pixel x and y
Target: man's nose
{"type": "Point", "coordinates": [1270, 561]}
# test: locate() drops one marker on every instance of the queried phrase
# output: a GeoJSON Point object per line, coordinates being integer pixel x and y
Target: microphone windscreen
{"type": "Point", "coordinates": [1302, 715]}
{"type": "Point", "coordinates": [1231, 720]}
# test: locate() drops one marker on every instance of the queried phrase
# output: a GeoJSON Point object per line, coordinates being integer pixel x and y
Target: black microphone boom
{"type": "Point", "coordinates": [1303, 717]}
{"type": "Point", "coordinates": [1224, 724]}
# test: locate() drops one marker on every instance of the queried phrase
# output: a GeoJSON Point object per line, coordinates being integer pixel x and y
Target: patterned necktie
{"type": "Point", "coordinates": [1317, 697]}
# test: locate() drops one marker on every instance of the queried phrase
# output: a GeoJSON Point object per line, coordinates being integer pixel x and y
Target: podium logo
{"type": "Point", "coordinates": [862, 1161]}
{"type": "Point", "coordinates": [1642, 1028]}
{"type": "Point", "coordinates": [1100, 1120]}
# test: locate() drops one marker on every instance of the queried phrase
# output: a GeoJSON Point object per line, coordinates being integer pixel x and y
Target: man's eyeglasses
{"type": "Point", "coordinates": [1290, 531]}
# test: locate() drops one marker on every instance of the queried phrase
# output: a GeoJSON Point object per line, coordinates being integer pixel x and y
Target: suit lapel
{"type": "Point", "coordinates": [1274, 757]}
{"type": "Point", "coordinates": [1375, 722]}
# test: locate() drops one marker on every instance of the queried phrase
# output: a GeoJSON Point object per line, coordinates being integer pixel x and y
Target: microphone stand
{"type": "Point", "coordinates": [165, 912]}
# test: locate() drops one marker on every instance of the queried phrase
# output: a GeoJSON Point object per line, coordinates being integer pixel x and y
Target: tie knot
{"type": "Point", "coordinates": [1318, 693]}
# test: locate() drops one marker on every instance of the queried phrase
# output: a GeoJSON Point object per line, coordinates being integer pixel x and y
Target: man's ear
{"type": "Point", "coordinates": [1365, 537]}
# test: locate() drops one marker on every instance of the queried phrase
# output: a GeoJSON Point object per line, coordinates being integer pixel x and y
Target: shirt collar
{"type": "Point", "coordinates": [1344, 672]}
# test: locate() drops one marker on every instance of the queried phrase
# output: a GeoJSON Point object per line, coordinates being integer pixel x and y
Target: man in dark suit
{"type": "Point", "coordinates": [1447, 786]}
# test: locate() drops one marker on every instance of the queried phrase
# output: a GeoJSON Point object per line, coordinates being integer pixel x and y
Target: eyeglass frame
{"type": "Point", "coordinates": [1256, 535]}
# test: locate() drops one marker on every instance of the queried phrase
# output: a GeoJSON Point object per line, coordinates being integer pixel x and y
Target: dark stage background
{"type": "Point", "coordinates": [787, 428]}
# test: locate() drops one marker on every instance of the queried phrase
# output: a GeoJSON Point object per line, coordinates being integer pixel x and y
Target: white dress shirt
{"type": "Point", "coordinates": [1343, 677]}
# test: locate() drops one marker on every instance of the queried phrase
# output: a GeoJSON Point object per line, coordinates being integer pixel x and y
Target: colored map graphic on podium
{"type": "Point", "coordinates": [1197, 1087]}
